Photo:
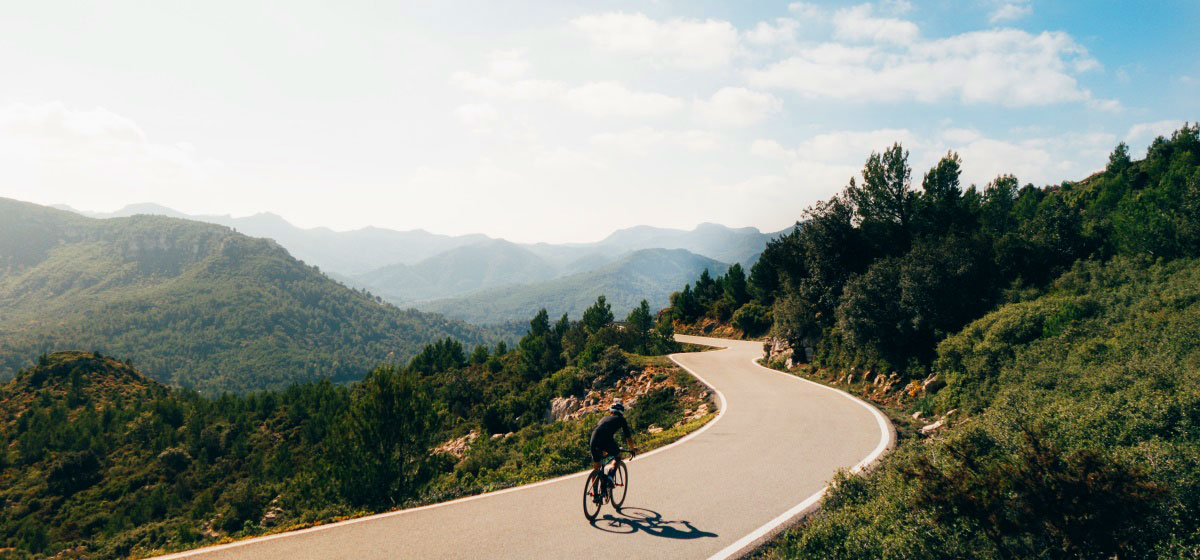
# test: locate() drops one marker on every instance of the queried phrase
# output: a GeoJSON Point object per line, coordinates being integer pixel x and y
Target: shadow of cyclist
{"type": "Point", "coordinates": [630, 520]}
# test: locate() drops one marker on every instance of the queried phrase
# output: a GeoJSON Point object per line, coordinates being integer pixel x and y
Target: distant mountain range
{"type": "Point", "coordinates": [191, 303]}
{"type": "Point", "coordinates": [650, 274]}
{"type": "Point", "coordinates": [432, 271]}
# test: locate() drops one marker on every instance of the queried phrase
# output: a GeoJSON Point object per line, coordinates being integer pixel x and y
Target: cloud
{"type": "Point", "coordinates": [1010, 11]}
{"type": "Point", "coordinates": [677, 42]}
{"type": "Point", "coordinates": [857, 24]}
{"type": "Point", "coordinates": [611, 99]}
{"type": "Point", "coordinates": [645, 140]}
{"type": "Point", "coordinates": [781, 32]}
{"type": "Point", "coordinates": [1005, 66]}
{"type": "Point", "coordinates": [735, 106]}
{"type": "Point", "coordinates": [1145, 132]}
{"type": "Point", "coordinates": [53, 153]}
{"type": "Point", "coordinates": [476, 116]}
{"type": "Point", "coordinates": [804, 10]}
{"type": "Point", "coordinates": [519, 89]}
{"type": "Point", "coordinates": [824, 162]}
{"type": "Point", "coordinates": [507, 64]}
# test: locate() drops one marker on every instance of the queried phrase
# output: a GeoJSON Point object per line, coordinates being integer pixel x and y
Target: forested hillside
{"type": "Point", "coordinates": [192, 304]}
{"type": "Point", "coordinates": [1037, 348]}
{"type": "Point", "coordinates": [98, 461]}
{"type": "Point", "coordinates": [648, 274]}
{"type": "Point", "coordinates": [1083, 438]}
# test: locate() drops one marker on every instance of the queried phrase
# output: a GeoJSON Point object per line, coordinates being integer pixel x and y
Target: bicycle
{"type": "Point", "coordinates": [611, 489]}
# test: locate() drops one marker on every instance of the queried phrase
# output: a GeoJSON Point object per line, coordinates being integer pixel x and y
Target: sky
{"type": "Point", "coordinates": [563, 121]}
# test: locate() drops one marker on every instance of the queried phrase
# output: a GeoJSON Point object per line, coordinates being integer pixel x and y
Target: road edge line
{"type": "Point", "coordinates": [760, 536]}
{"type": "Point", "coordinates": [372, 517]}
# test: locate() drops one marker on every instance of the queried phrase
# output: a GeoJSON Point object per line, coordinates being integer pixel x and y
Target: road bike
{"type": "Point", "coordinates": [600, 489]}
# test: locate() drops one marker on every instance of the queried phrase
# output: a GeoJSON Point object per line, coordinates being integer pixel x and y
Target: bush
{"type": "Point", "coordinates": [752, 319]}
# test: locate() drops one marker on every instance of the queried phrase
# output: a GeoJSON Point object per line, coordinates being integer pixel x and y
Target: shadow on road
{"type": "Point", "coordinates": [633, 519]}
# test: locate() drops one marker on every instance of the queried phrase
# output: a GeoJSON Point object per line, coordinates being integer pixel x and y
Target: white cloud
{"type": "Point", "coordinates": [1010, 11]}
{"type": "Point", "coordinates": [52, 153]}
{"type": "Point", "coordinates": [1004, 66]}
{"type": "Point", "coordinates": [611, 99]}
{"type": "Point", "coordinates": [781, 32]}
{"type": "Point", "coordinates": [804, 10]}
{"type": "Point", "coordinates": [858, 24]}
{"type": "Point", "coordinates": [520, 89]}
{"type": "Point", "coordinates": [507, 64]}
{"type": "Point", "coordinates": [1145, 132]}
{"type": "Point", "coordinates": [770, 149]}
{"type": "Point", "coordinates": [679, 42]}
{"type": "Point", "coordinates": [643, 141]}
{"type": "Point", "coordinates": [734, 106]}
{"type": "Point", "coordinates": [823, 163]}
{"type": "Point", "coordinates": [477, 116]}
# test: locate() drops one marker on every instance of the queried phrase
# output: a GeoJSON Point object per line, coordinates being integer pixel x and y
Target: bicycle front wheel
{"type": "Point", "coordinates": [620, 476]}
{"type": "Point", "coordinates": [592, 496]}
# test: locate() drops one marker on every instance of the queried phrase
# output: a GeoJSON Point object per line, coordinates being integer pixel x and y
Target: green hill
{"type": "Point", "coordinates": [192, 304]}
{"type": "Point", "coordinates": [1083, 438]}
{"type": "Point", "coordinates": [650, 274]}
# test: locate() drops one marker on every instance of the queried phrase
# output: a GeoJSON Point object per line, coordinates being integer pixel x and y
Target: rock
{"type": "Point", "coordinates": [932, 383]}
{"type": "Point", "coordinates": [561, 408]}
{"type": "Point", "coordinates": [497, 436]}
{"type": "Point", "coordinates": [508, 435]}
{"type": "Point", "coordinates": [933, 427]}
{"type": "Point", "coordinates": [458, 446]}
{"type": "Point", "coordinates": [917, 415]}
{"type": "Point", "coordinates": [949, 412]}
{"type": "Point", "coordinates": [271, 516]}
{"type": "Point", "coordinates": [654, 429]}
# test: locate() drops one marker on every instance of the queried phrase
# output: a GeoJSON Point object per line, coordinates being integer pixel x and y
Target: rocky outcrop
{"type": "Point", "coordinates": [458, 446]}
{"type": "Point", "coordinates": [561, 408]}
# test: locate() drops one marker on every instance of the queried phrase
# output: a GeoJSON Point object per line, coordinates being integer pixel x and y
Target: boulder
{"type": "Point", "coordinates": [561, 408]}
{"type": "Point", "coordinates": [458, 446]}
{"type": "Point", "coordinates": [933, 427]}
{"type": "Point", "coordinates": [654, 429]}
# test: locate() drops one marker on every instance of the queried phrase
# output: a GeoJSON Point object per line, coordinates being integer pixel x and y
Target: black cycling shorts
{"type": "Point", "coordinates": [600, 448]}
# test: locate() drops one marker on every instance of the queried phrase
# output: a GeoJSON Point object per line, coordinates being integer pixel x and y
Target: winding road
{"type": "Point", "coordinates": [764, 461]}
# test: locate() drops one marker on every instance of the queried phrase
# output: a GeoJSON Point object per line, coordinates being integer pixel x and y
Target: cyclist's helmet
{"type": "Point", "coordinates": [617, 407]}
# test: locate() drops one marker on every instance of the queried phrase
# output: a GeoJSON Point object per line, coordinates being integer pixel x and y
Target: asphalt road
{"type": "Point", "coordinates": [763, 461]}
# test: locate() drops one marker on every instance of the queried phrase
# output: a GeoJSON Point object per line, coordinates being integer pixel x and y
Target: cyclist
{"type": "Point", "coordinates": [602, 442]}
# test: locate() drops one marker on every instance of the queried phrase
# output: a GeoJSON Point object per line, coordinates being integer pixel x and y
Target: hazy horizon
{"type": "Point", "coordinates": [564, 122]}
{"type": "Point", "coordinates": [102, 214]}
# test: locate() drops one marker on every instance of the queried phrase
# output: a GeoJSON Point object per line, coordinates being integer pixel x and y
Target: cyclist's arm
{"type": "Point", "coordinates": [628, 434]}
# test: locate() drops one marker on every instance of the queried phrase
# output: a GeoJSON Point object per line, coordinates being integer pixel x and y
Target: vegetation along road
{"type": "Point", "coordinates": [765, 460]}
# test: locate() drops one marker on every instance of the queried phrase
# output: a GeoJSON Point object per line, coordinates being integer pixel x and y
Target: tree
{"type": "Point", "coordinates": [941, 197]}
{"type": "Point", "coordinates": [1118, 160]}
{"type": "Point", "coordinates": [707, 290]}
{"type": "Point", "coordinates": [885, 200]}
{"type": "Point", "coordinates": [639, 324]}
{"type": "Point", "coordinates": [382, 448]}
{"type": "Point", "coordinates": [735, 285]}
{"type": "Point", "coordinates": [684, 307]}
{"type": "Point", "coordinates": [598, 316]}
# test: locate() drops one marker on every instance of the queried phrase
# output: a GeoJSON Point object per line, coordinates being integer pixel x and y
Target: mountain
{"type": "Point", "coordinates": [714, 241]}
{"type": "Point", "coordinates": [489, 264]}
{"type": "Point", "coordinates": [193, 304]}
{"type": "Point", "coordinates": [347, 253]}
{"type": "Point", "coordinates": [650, 274]}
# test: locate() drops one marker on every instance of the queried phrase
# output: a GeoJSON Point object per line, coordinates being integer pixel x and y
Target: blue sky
{"type": "Point", "coordinates": [562, 121]}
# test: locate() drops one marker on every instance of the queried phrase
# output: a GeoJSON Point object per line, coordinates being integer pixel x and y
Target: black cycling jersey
{"type": "Point", "coordinates": [607, 428]}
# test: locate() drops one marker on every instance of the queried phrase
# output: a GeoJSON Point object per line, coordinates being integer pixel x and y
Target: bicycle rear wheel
{"type": "Point", "coordinates": [620, 476]}
{"type": "Point", "coordinates": [592, 496]}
